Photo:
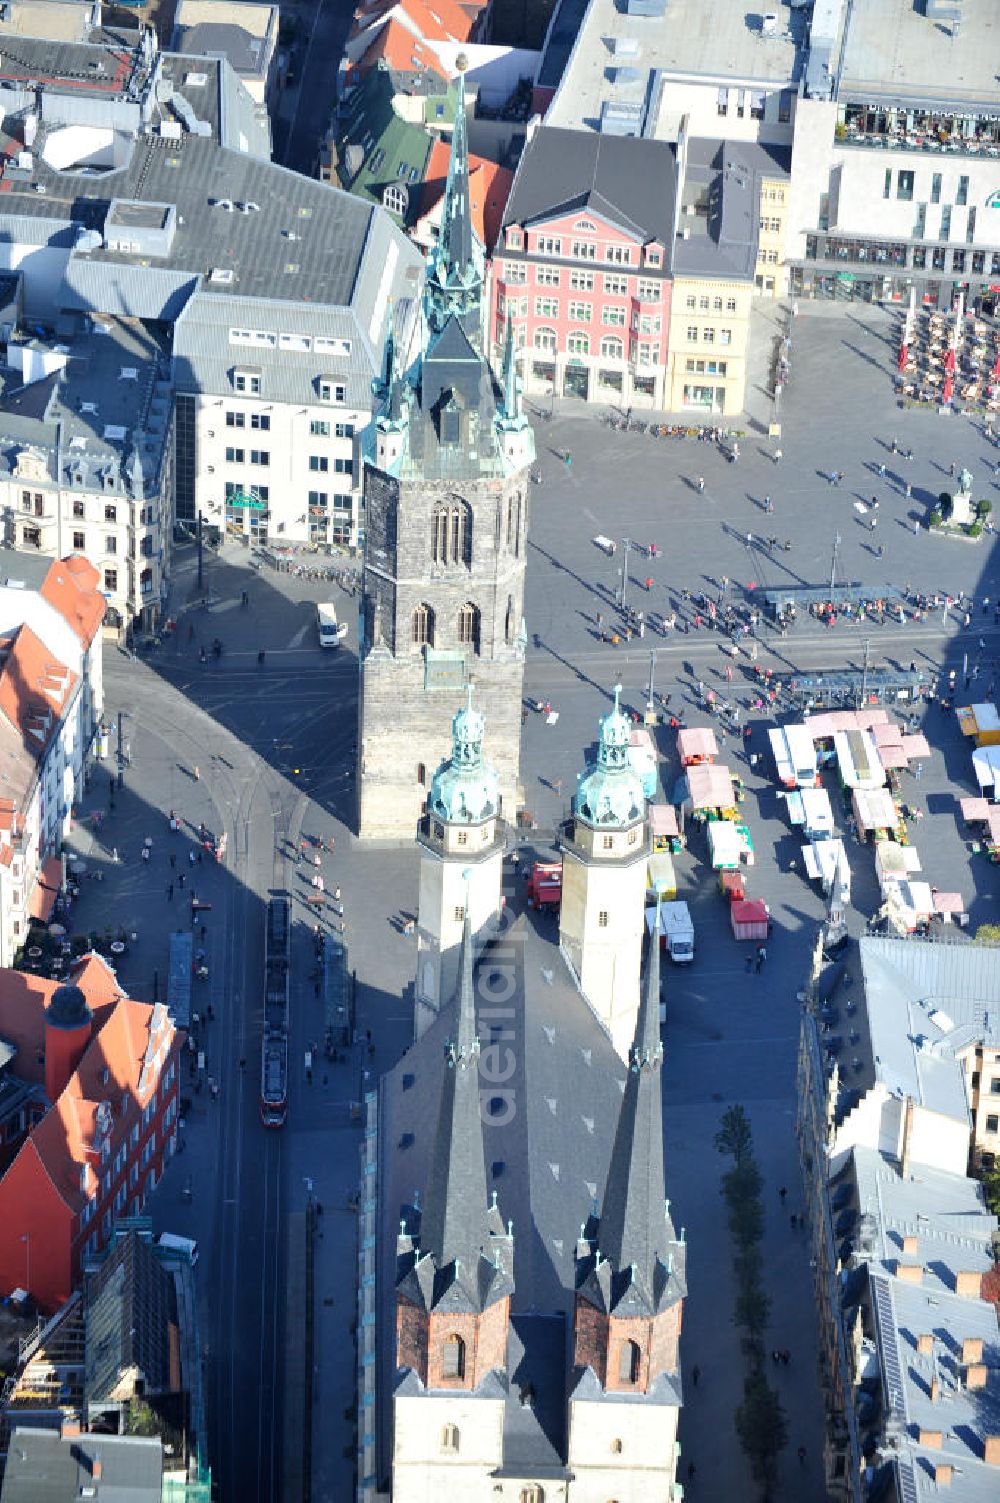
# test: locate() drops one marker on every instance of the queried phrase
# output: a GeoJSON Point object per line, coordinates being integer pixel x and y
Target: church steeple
{"type": "Point", "coordinates": [511, 385]}
{"type": "Point", "coordinates": [635, 1229]}
{"type": "Point", "coordinates": [631, 1267]}
{"type": "Point", "coordinates": [455, 269]}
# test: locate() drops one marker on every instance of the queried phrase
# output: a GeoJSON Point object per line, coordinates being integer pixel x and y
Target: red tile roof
{"type": "Point", "coordinates": [401, 51]}
{"type": "Point", "coordinates": [434, 20]}
{"type": "Point", "coordinates": [489, 189]}
{"type": "Point", "coordinates": [34, 689]}
{"type": "Point", "coordinates": [72, 588]}
{"type": "Point", "coordinates": [120, 1036]}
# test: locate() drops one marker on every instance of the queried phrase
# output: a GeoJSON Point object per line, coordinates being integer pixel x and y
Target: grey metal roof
{"type": "Point", "coordinates": [728, 174]}
{"type": "Point", "coordinates": [244, 51]}
{"type": "Point", "coordinates": [924, 999]}
{"type": "Point", "coordinates": [893, 48]}
{"type": "Point", "coordinates": [632, 183]}
{"type": "Point", "coordinates": [44, 1467]}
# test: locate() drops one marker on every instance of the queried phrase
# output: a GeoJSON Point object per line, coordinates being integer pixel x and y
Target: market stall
{"type": "Point", "coordinates": [822, 860]}
{"type": "Point", "coordinates": [986, 767]}
{"type": "Point", "coordinates": [981, 722]}
{"type": "Point", "coordinates": [916, 746]}
{"type": "Point", "coordinates": [810, 809]}
{"type": "Point", "coordinates": [663, 827]}
{"type": "Point", "coordinates": [948, 905]}
{"type": "Point", "coordinates": [729, 845]}
{"type": "Point", "coordinates": [695, 745]}
{"type": "Point", "coordinates": [749, 919]}
{"type": "Point", "coordinates": [874, 811]}
{"type": "Point", "coordinates": [858, 761]}
{"type": "Point", "coordinates": [894, 862]}
{"type": "Point", "coordinates": [710, 788]}
{"type": "Point", "coordinates": [910, 905]}
{"type": "Point", "coordinates": [661, 880]}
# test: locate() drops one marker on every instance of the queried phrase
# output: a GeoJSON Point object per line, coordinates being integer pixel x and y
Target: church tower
{"type": "Point", "coordinates": [454, 1284]}
{"type": "Point", "coordinates": [605, 847]}
{"type": "Point", "coordinates": [625, 1394]}
{"type": "Point", "coordinates": [446, 508]}
{"type": "Point", "coordinates": [461, 838]}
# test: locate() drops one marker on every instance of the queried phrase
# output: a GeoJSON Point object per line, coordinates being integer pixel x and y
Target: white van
{"type": "Point", "coordinates": [183, 1247]}
{"type": "Point", "coordinates": [794, 756]}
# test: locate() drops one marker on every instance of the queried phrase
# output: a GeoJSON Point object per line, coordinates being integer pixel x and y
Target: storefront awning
{"type": "Point", "coordinates": [47, 889]}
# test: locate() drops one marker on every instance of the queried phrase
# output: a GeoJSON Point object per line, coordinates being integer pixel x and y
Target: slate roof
{"type": "Point", "coordinates": [131, 1306]}
{"type": "Point", "coordinates": [244, 51]}
{"type": "Point", "coordinates": [377, 147]}
{"type": "Point", "coordinates": [723, 243]}
{"type": "Point", "coordinates": [46, 1467]}
{"type": "Point", "coordinates": [547, 1161]}
{"type": "Point", "coordinates": [628, 182]}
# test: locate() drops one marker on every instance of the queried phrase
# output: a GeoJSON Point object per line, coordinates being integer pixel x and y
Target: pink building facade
{"type": "Point", "coordinates": [589, 300]}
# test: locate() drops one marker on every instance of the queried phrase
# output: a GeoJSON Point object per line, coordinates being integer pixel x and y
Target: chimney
{"type": "Point", "coordinates": [68, 1024]}
{"type": "Point", "coordinates": [925, 1344]}
{"type": "Point", "coordinates": [975, 1375]}
{"type": "Point", "coordinates": [910, 1273]}
{"type": "Point", "coordinates": [910, 1244]}
{"type": "Point", "coordinates": [968, 1284]}
{"type": "Point", "coordinates": [972, 1349]}
{"type": "Point", "coordinates": [932, 1439]}
{"type": "Point", "coordinates": [942, 1475]}
{"type": "Point", "coordinates": [935, 1390]}
{"type": "Point", "coordinates": [904, 1157]}
{"type": "Point", "coordinates": [991, 1450]}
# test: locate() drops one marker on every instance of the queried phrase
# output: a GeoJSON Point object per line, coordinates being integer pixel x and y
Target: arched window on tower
{"type": "Point", "coordinates": [423, 626]}
{"type": "Point", "coordinates": [531, 1494]}
{"type": "Point", "coordinates": [508, 623]}
{"type": "Point", "coordinates": [628, 1363]}
{"type": "Point", "coordinates": [468, 626]}
{"type": "Point", "coordinates": [453, 1358]}
{"type": "Point", "coordinates": [450, 1440]}
{"type": "Point", "coordinates": [451, 533]}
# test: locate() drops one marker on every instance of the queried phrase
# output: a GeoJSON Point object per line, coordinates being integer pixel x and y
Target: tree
{"type": "Point", "coordinates": [988, 934]}
{"type": "Point", "coordinates": [760, 1425]}
{"type": "Point", "coordinates": [734, 1136]}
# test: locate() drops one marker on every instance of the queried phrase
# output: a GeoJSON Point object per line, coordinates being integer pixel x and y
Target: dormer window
{"type": "Point", "coordinates": [654, 256]}
{"type": "Point", "coordinates": [247, 380]}
{"type": "Point", "coordinates": [451, 424]}
{"type": "Point", "coordinates": [515, 239]}
{"type": "Point", "coordinates": [331, 390]}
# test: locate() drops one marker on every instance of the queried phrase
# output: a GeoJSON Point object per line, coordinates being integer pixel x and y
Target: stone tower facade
{"type": "Point", "coordinates": [461, 841]}
{"type": "Point", "coordinates": [605, 847]}
{"type": "Point", "coordinates": [446, 505]}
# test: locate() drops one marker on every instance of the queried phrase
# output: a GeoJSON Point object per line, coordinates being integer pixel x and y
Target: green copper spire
{"type": "Point", "coordinates": [610, 792]}
{"type": "Point", "coordinates": [511, 384]}
{"type": "Point", "coordinates": [465, 789]}
{"type": "Point", "coordinates": [455, 265]}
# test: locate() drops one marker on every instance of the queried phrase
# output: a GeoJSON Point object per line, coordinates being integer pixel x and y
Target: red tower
{"type": "Point", "coordinates": [68, 1024]}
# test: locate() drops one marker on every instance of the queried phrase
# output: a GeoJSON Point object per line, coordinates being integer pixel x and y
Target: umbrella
{"type": "Point", "coordinates": [996, 368]}
{"type": "Point", "coordinates": [949, 359]}
{"type": "Point", "coordinates": [949, 389]}
{"type": "Point", "coordinates": [904, 355]}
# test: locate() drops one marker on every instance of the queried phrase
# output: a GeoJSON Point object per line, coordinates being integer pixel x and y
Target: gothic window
{"type": "Point", "coordinates": [421, 774]}
{"type": "Point", "coordinates": [453, 1356]}
{"type": "Point", "coordinates": [531, 1494]}
{"type": "Point", "coordinates": [628, 1363]}
{"type": "Point", "coordinates": [616, 1447]}
{"type": "Point", "coordinates": [508, 625]}
{"type": "Point", "coordinates": [423, 626]}
{"type": "Point", "coordinates": [468, 625]}
{"type": "Point", "coordinates": [451, 533]}
{"type": "Point", "coordinates": [513, 522]}
{"type": "Point", "coordinates": [449, 1439]}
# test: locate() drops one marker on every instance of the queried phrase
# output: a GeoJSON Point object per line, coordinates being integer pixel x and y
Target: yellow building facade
{"type": "Point", "coordinates": [707, 359]}
{"type": "Point", "coordinates": [771, 278]}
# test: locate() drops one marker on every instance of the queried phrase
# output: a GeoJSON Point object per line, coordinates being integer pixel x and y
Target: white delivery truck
{"type": "Point", "coordinates": [678, 931]}
{"type": "Point", "coordinates": [331, 631]}
{"type": "Point", "coordinates": [795, 756]}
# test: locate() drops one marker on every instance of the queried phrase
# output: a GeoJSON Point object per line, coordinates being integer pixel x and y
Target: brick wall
{"type": "Point", "coordinates": [599, 1339]}
{"type": "Point", "coordinates": [421, 1339]}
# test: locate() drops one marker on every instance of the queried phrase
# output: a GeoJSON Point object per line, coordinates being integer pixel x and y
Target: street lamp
{"type": "Point", "coordinates": [626, 545]}
{"type": "Point", "coordinates": [123, 715]}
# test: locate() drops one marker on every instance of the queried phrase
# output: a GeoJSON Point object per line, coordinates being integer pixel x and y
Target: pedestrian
{"type": "Point", "coordinates": [170, 892]}
{"type": "Point", "coordinates": [951, 468]}
{"type": "Point", "coordinates": [204, 931]}
{"type": "Point", "coordinates": [701, 483]}
{"type": "Point", "coordinates": [775, 1356]}
{"type": "Point", "coordinates": [786, 1357]}
{"type": "Point", "coordinates": [782, 1193]}
{"type": "Point", "coordinates": [873, 524]}
{"type": "Point", "coordinates": [909, 489]}
{"type": "Point", "coordinates": [695, 1374]}
{"type": "Point", "coordinates": [916, 526]}
{"type": "Point", "coordinates": [768, 504]}
{"type": "Point", "coordinates": [181, 879]}
{"type": "Point", "coordinates": [173, 858]}
{"type": "Point", "coordinates": [761, 957]}
{"type": "Point", "coordinates": [777, 456]}
{"type": "Point", "coordinates": [197, 774]}
{"type": "Point", "coordinates": [691, 1470]}
{"type": "Point", "coordinates": [749, 962]}
{"type": "Point", "coordinates": [145, 853]}
{"type": "Point", "coordinates": [191, 858]}
{"type": "Point", "coordinates": [881, 470]}
{"type": "Point", "coordinates": [793, 1221]}
{"type": "Point", "coordinates": [894, 446]}
{"type": "Point", "coordinates": [568, 458]}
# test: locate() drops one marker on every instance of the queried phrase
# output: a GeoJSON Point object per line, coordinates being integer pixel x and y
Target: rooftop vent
{"type": "Point", "coordinates": [195, 80]}
{"type": "Point", "coordinates": [223, 274]}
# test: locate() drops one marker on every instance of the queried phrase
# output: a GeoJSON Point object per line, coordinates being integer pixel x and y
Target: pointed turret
{"type": "Point", "coordinates": [458, 1259]}
{"type": "Point", "coordinates": [631, 1265]}
{"type": "Point", "coordinates": [635, 1229]}
{"type": "Point", "coordinates": [511, 384]}
{"type": "Point", "coordinates": [514, 435]}
{"type": "Point", "coordinates": [455, 273]}
{"type": "Point", "coordinates": [454, 1222]}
